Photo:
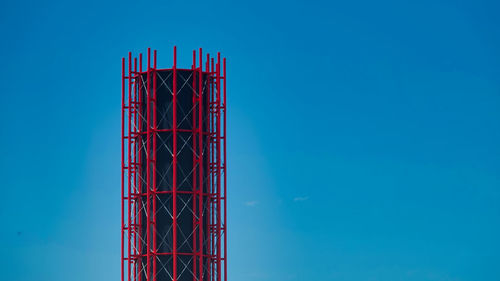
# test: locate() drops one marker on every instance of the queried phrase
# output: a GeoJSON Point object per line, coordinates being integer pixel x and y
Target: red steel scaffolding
{"type": "Point", "coordinates": [154, 245]}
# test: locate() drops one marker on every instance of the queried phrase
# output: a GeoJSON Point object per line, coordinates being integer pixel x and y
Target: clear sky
{"type": "Point", "coordinates": [363, 135]}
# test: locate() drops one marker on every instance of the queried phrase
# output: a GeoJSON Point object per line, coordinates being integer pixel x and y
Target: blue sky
{"type": "Point", "coordinates": [363, 135]}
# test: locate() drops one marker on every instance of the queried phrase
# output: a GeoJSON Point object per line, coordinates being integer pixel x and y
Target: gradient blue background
{"type": "Point", "coordinates": [363, 137]}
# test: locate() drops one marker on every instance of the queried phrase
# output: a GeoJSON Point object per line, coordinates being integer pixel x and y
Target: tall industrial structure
{"type": "Point", "coordinates": [174, 170]}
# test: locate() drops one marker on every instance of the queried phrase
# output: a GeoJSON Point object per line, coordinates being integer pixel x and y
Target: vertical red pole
{"type": "Point", "coordinates": [200, 156]}
{"type": "Point", "coordinates": [130, 168]}
{"type": "Point", "coordinates": [174, 161]}
{"type": "Point", "coordinates": [154, 130]}
{"type": "Point", "coordinates": [225, 172]}
{"type": "Point", "coordinates": [148, 169]}
{"type": "Point", "coordinates": [136, 169]}
{"type": "Point", "coordinates": [207, 64]}
{"type": "Point", "coordinates": [212, 173]}
{"type": "Point", "coordinates": [218, 105]}
{"type": "Point", "coordinates": [154, 60]}
{"type": "Point", "coordinates": [139, 214]}
{"type": "Point", "coordinates": [123, 172]}
{"type": "Point", "coordinates": [195, 164]}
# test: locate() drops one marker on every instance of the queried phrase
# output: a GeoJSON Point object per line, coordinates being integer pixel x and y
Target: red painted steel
{"type": "Point", "coordinates": [200, 163]}
{"type": "Point", "coordinates": [148, 169]}
{"type": "Point", "coordinates": [174, 161]}
{"type": "Point", "coordinates": [209, 199]}
{"type": "Point", "coordinates": [123, 168]}
{"type": "Point", "coordinates": [195, 161]}
{"type": "Point", "coordinates": [129, 149]}
{"type": "Point", "coordinates": [223, 111]}
{"type": "Point", "coordinates": [154, 187]}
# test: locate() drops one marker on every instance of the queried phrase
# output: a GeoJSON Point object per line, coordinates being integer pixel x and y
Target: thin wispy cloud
{"type": "Point", "coordinates": [251, 203]}
{"type": "Point", "coordinates": [299, 199]}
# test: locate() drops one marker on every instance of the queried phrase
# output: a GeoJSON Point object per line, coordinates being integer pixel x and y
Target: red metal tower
{"type": "Point", "coordinates": [174, 170]}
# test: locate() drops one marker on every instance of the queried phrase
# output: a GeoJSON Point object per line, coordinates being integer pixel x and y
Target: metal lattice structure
{"type": "Point", "coordinates": [174, 170]}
